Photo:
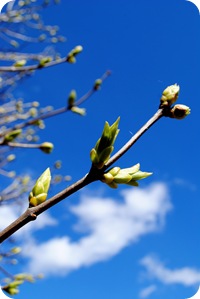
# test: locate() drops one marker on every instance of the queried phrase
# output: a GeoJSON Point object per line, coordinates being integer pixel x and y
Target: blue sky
{"type": "Point", "coordinates": [130, 242]}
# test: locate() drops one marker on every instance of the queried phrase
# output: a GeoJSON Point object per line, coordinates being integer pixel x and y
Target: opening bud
{"type": "Point", "coordinates": [170, 95]}
{"type": "Point", "coordinates": [40, 190]}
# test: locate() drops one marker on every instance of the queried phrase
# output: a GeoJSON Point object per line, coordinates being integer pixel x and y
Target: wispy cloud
{"type": "Point", "coordinates": [146, 292]}
{"type": "Point", "coordinates": [156, 269]}
{"type": "Point", "coordinates": [108, 226]}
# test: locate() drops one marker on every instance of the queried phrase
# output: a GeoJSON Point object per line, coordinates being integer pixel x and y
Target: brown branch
{"type": "Point", "coordinates": [93, 175]}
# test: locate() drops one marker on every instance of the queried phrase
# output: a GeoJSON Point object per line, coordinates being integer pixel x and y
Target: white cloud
{"type": "Point", "coordinates": [156, 269]}
{"type": "Point", "coordinates": [146, 292]}
{"type": "Point", "coordinates": [108, 226]}
{"type": "Point", "coordinates": [7, 215]}
{"type": "Point", "coordinates": [10, 213]}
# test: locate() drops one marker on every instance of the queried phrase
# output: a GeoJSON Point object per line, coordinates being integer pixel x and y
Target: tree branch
{"type": "Point", "coordinates": [95, 174]}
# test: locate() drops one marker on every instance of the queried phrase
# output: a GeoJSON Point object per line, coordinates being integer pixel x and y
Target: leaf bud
{"type": "Point", "coordinates": [20, 63]}
{"type": "Point", "coordinates": [179, 111]}
{"type": "Point", "coordinates": [97, 84]}
{"type": "Point", "coordinates": [33, 112]}
{"type": "Point", "coordinates": [16, 250]}
{"type": "Point", "coordinates": [71, 56]}
{"type": "Point", "coordinates": [46, 147]}
{"type": "Point", "coordinates": [12, 135]}
{"type": "Point", "coordinates": [77, 110]}
{"type": "Point", "coordinates": [40, 190]}
{"type": "Point", "coordinates": [107, 178]}
{"type": "Point", "coordinates": [170, 95]}
{"type": "Point", "coordinates": [71, 98]}
{"type": "Point", "coordinates": [11, 158]}
{"type": "Point", "coordinates": [44, 61]}
{"type": "Point", "coordinates": [104, 146]}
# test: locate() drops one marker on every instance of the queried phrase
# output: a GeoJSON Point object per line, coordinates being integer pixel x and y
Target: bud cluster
{"type": "Point", "coordinates": [71, 56]}
{"type": "Point", "coordinates": [71, 104]}
{"type": "Point", "coordinates": [100, 154]}
{"type": "Point", "coordinates": [168, 98]}
{"type": "Point", "coordinates": [128, 176]}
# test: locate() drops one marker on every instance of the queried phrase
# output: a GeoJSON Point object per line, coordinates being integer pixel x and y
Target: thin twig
{"type": "Point", "coordinates": [134, 138]}
{"type": "Point", "coordinates": [54, 112]}
{"type": "Point", "coordinates": [22, 145]}
{"type": "Point", "coordinates": [33, 67]}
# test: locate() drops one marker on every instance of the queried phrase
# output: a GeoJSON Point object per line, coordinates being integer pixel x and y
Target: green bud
{"type": "Point", "coordinates": [40, 190]}
{"type": "Point", "coordinates": [133, 183]}
{"type": "Point", "coordinates": [179, 111]}
{"type": "Point", "coordinates": [39, 123]}
{"type": "Point", "coordinates": [12, 135]}
{"type": "Point", "coordinates": [127, 176]}
{"type": "Point", "coordinates": [11, 158]}
{"type": "Point", "coordinates": [77, 50]}
{"type": "Point", "coordinates": [122, 178]}
{"type": "Point", "coordinates": [15, 283]}
{"type": "Point", "coordinates": [104, 146]}
{"type": "Point", "coordinates": [132, 170]}
{"type": "Point", "coordinates": [97, 84]}
{"type": "Point", "coordinates": [22, 276]}
{"type": "Point", "coordinates": [94, 156]}
{"type": "Point", "coordinates": [42, 37]}
{"type": "Point", "coordinates": [112, 185]}
{"type": "Point", "coordinates": [140, 175]}
{"type": "Point", "coordinates": [105, 154]}
{"type": "Point", "coordinates": [14, 43]}
{"type": "Point", "coordinates": [16, 250]}
{"type": "Point", "coordinates": [71, 56]}
{"type": "Point", "coordinates": [44, 61]}
{"type": "Point", "coordinates": [72, 98]}
{"type": "Point", "coordinates": [107, 178]}
{"type": "Point", "coordinates": [20, 63]}
{"type": "Point", "coordinates": [12, 287]}
{"type": "Point", "coordinates": [77, 110]}
{"type": "Point", "coordinates": [114, 171]}
{"type": "Point", "coordinates": [33, 112]}
{"type": "Point", "coordinates": [25, 180]}
{"type": "Point", "coordinates": [46, 147]}
{"type": "Point", "coordinates": [170, 95]}
{"type": "Point", "coordinates": [10, 290]}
